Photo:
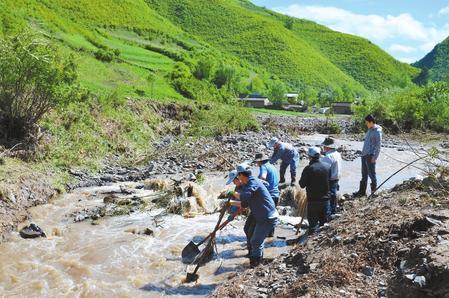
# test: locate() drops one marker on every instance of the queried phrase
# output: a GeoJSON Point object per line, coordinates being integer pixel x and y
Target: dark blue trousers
{"type": "Point", "coordinates": [368, 169]}
{"type": "Point", "coordinates": [333, 190]}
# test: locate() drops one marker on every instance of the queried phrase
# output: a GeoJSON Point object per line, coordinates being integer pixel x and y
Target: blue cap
{"type": "Point", "coordinates": [272, 142]}
{"type": "Point", "coordinates": [314, 152]}
{"type": "Point", "coordinates": [231, 176]}
{"type": "Point", "coordinates": [243, 168]}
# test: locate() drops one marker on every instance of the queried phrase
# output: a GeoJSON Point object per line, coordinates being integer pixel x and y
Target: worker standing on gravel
{"type": "Point", "coordinates": [370, 154]}
{"type": "Point", "coordinates": [333, 158]}
{"type": "Point", "coordinates": [256, 196]}
{"type": "Point", "coordinates": [268, 173]}
{"type": "Point", "coordinates": [288, 155]}
{"type": "Point", "coordinates": [315, 178]}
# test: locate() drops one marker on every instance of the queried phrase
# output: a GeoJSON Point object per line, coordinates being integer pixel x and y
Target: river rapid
{"type": "Point", "coordinates": [109, 259]}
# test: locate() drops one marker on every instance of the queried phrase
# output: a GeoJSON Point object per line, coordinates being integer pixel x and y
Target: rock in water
{"type": "Point", "coordinates": [32, 231]}
{"type": "Point", "coordinates": [147, 231]}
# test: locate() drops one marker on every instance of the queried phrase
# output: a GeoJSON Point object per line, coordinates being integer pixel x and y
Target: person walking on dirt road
{"type": "Point", "coordinates": [288, 155]}
{"type": "Point", "coordinates": [370, 154]}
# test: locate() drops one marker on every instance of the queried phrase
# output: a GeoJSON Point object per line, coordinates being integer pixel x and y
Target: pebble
{"type": "Point", "coordinates": [382, 292]}
{"type": "Point", "coordinates": [368, 271]}
{"type": "Point", "coordinates": [420, 281]}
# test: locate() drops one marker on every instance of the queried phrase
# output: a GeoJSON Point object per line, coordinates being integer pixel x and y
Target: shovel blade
{"type": "Point", "coordinates": [189, 253]}
{"type": "Point", "coordinates": [191, 277]}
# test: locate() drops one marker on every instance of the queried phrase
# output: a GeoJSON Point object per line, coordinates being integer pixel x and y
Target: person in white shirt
{"type": "Point", "coordinates": [333, 158]}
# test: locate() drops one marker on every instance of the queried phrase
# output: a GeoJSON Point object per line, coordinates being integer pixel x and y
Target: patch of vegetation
{"type": "Point", "coordinates": [106, 55]}
{"type": "Point", "coordinates": [34, 79]}
{"type": "Point", "coordinates": [424, 107]}
{"type": "Point", "coordinates": [216, 119]}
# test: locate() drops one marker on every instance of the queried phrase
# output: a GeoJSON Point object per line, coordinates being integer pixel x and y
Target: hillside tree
{"type": "Point", "coordinates": [33, 79]}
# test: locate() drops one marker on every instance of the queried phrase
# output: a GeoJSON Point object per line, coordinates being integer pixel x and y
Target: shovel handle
{"type": "Point", "coordinates": [220, 227]}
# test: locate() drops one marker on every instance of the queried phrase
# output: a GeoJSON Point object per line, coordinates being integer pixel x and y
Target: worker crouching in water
{"type": "Point", "coordinates": [254, 194]}
{"type": "Point", "coordinates": [288, 155]}
{"type": "Point", "coordinates": [315, 178]}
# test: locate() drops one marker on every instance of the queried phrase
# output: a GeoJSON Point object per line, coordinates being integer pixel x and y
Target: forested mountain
{"type": "Point", "coordinates": [435, 64]}
{"type": "Point", "coordinates": [194, 48]}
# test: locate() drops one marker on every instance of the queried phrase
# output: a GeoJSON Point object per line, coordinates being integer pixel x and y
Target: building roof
{"type": "Point", "coordinates": [254, 99]}
{"type": "Point", "coordinates": [342, 103]}
{"type": "Point", "coordinates": [256, 95]}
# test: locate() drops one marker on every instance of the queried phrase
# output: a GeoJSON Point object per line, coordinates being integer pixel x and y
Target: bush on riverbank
{"type": "Point", "coordinates": [33, 79]}
{"type": "Point", "coordinates": [414, 107]}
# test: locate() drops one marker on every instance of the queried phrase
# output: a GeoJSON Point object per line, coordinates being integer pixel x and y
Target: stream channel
{"type": "Point", "coordinates": [78, 259]}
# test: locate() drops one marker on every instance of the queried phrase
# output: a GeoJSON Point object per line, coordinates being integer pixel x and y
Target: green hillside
{"type": "Point", "coordinates": [436, 61]}
{"type": "Point", "coordinates": [302, 51]}
{"type": "Point", "coordinates": [198, 53]}
{"type": "Point", "coordinates": [356, 56]}
{"type": "Point", "coordinates": [154, 35]}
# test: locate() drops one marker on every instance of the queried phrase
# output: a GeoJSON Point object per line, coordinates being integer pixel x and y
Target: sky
{"type": "Point", "coordinates": [406, 29]}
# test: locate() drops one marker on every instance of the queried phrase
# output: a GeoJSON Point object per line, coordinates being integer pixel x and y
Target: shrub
{"type": "Point", "coordinates": [289, 22]}
{"type": "Point", "coordinates": [204, 68]}
{"type": "Point", "coordinates": [226, 76]}
{"type": "Point", "coordinates": [413, 107]}
{"type": "Point", "coordinates": [217, 119]}
{"type": "Point", "coordinates": [33, 79]}
{"type": "Point", "coordinates": [105, 55]}
{"type": "Point", "coordinates": [277, 92]}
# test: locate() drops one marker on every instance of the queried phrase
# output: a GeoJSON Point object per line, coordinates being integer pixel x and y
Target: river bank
{"type": "Point", "coordinates": [395, 245]}
{"type": "Point", "coordinates": [149, 237]}
{"type": "Point", "coordinates": [180, 157]}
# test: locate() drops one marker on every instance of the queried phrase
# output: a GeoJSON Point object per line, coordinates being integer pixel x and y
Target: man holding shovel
{"type": "Point", "coordinates": [256, 196]}
{"type": "Point", "coordinates": [250, 222]}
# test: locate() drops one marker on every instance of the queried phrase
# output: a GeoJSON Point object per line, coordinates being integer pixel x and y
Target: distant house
{"type": "Point", "coordinates": [292, 96]}
{"type": "Point", "coordinates": [342, 108]}
{"type": "Point", "coordinates": [256, 101]}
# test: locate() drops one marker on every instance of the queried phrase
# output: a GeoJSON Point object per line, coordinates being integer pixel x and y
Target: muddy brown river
{"type": "Point", "coordinates": [108, 260]}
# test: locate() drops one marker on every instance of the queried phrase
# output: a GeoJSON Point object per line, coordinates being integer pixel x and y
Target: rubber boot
{"type": "Point", "coordinates": [362, 190]}
{"type": "Point", "coordinates": [282, 180]}
{"type": "Point", "coordinates": [373, 187]}
{"type": "Point", "coordinates": [254, 261]}
{"type": "Point", "coordinates": [292, 183]}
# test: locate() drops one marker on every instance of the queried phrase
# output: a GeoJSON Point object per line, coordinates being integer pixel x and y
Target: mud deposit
{"type": "Point", "coordinates": [395, 245]}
